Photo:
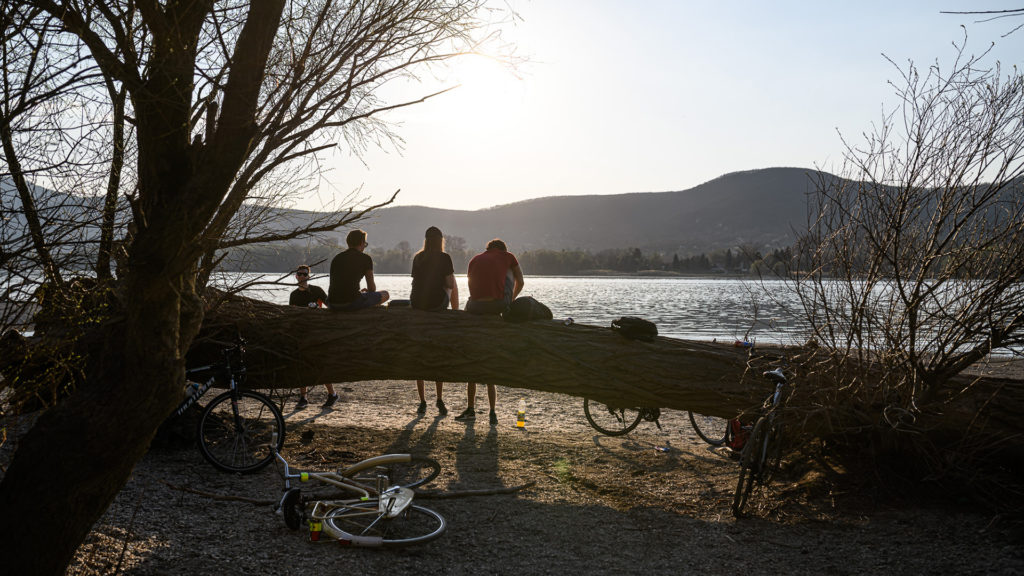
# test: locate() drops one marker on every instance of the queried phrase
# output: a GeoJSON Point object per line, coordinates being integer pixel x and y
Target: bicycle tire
{"type": "Point", "coordinates": [293, 509]}
{"type": "Point", "coordinates": [359, 524]}
{"type": "Point", "coordinates": [772, 451]}
{"type": "Point", "coordinates": [611, 420]}
{"type": "Point", "coordinates": [241, 446]}
{"type": "Point", "coordinates": [405, 470]}
{"type": "Point", "coordinates": [706, 427]}
{"type": "Point", "coordinates": [751, 462]}
{"type": "Point", "coordinates": [419, 470]}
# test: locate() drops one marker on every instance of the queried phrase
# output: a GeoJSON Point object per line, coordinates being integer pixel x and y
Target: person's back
{"type": "Point", "coordinates": [347, 271]}
{"type": "Point", "coordinates": [430, 272]}
{"type": "Point", "coordinates": [495, 280]}
{"type": "Point", "coordinates": [488, 273]}
{"type": "Point", "coordinates": [433, 289]}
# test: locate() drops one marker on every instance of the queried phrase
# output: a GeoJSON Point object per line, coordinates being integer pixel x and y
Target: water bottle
{"type": "Point", "coordinates": [521, 414]}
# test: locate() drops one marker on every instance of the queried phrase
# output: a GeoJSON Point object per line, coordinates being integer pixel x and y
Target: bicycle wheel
{"type": "Point", "coordinates": [772, 450]}
{"type": "Point", "coordinates": [240, 444]}
{"type": "Point", "coordinates": [361, 524]}
{"type": "Point", "coordinates": [711, 429]}
{"type": "Point", "coordinates": [405, 470]}
{"type": "Point", "coordinates": [418, 471]}
{"type": "Point", "coordinates": [751, 462]}
{"type": "Point", "coordinates": [611, 420]}
{"type": "Point", "coordinates": [293, 509]}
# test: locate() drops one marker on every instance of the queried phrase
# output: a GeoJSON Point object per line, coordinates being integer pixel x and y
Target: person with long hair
{"type": "Point", "coordinates": [433, 290]}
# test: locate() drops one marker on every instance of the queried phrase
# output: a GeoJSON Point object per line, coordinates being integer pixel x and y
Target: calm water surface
{"type": "Point", "coordinates": [690, 308]}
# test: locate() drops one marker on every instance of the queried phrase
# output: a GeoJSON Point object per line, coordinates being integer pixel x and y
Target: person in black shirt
{"type": "Point", "coordinates": [433, 289]}
{"type": "Point", "coordinates": [306, 294]}
{"type": "Point", "coordinates": [347, 270]}
{"type": "Point", "coordinates": [309, 296]}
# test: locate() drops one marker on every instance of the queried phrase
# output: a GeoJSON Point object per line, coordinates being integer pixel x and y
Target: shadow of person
{"type": "Point", "coordinates": [476, 460]}
{"type": "Point", "coordinates": [408, 442]}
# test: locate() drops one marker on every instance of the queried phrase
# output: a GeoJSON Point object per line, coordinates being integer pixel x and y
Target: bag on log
{"type": "Point", "coordinates": [635, 328]}
{"type": "Point", "coordinates": [527, 308]}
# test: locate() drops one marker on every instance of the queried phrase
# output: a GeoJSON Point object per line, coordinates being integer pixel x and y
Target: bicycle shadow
{"type": "Point", "coordinates": [631, 452]}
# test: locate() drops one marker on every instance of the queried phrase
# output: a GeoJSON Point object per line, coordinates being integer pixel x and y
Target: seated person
{"type": "Point", "coordinates": [347, 271]}
{"type": "Point", "coordinates": [309, 296]}
{"type": "Point", "coordinates": [495, 280]}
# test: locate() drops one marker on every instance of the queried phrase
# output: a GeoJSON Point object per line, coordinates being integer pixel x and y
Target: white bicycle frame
{"type": "Point", "coordinates": [391, 500]}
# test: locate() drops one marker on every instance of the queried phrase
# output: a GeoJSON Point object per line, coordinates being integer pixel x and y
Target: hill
{"type": "Point", "coordinates": [758, 207]}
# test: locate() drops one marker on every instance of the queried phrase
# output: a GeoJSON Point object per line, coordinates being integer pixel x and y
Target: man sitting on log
{"type": "Point", "coordinates": [347, 270]}
{"type": "Point", "coordinates": [309, 296]}
{"type": "Point", "coordinates": [495, 280]}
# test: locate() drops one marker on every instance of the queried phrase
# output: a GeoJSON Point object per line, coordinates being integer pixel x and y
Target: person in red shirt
{"type": "Point", "coordinates": [495, 280]}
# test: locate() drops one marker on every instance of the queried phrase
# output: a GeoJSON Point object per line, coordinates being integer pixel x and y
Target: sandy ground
{"type": "Point", "coordinates": [597, 505]}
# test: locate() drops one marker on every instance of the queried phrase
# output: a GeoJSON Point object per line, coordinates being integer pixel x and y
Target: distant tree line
{"type": "Point", "coordinates": [543, 261]}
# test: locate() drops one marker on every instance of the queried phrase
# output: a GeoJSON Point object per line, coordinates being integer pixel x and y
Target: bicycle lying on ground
{"type": "Point", "coordinates": [762, 452]}
{"type": "Point", "coordinates": [379, 511]}
{"type": "Point", "coordinates": [239, 430]}
{"type": "Point", "coordinates": [614, 420]}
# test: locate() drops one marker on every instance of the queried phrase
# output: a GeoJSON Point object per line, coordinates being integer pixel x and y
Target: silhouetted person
{"type": "Point", "coordinates": [433, 289]}
{"type": "Point", "coordinates": [347, 271]}
{"type": "Point", "coordinates": [495, 280]}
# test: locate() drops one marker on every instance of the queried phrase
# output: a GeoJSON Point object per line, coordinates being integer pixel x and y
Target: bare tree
{"type": "Point", "coordinates": [221, 98]}
{"type": "Point", "coordinates": [991, 15]}
{"type": "Point", "coordinates": [911, 268]}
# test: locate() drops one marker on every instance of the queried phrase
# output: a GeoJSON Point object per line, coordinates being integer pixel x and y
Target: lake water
{"type": "Point", "coordinates": [689, 308]}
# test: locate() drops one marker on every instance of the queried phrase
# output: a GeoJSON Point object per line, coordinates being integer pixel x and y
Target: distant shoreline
{"type": "Point", "coordinates": [650, 274]}
{"type": "Point", "coordinates": [609, 274]}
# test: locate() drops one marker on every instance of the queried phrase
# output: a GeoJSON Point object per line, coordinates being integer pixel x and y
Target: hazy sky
{"type": "Point", "coordinates": [626, 96]}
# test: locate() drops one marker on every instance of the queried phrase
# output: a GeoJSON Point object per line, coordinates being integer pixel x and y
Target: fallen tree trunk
{"type": "Point", "coordinates": [290, 347]}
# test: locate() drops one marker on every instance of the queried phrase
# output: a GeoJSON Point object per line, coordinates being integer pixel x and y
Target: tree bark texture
{"type": "Point", "coordinates": [290, 347]}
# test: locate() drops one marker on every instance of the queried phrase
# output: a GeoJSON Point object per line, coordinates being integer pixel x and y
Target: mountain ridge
{"type": "Point", "coordinates": [759, 207]}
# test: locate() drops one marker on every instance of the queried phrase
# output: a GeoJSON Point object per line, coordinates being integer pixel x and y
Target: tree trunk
{"type": "Point", "coordinates": [289, 347]}
{"type": "Point", "coordinates": [78, 455]}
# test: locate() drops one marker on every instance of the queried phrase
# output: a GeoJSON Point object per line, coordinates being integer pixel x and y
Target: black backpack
{"type": "Point", "coordinates": [635, 328]}
{"type": "Point", "coordinates": [527, 308]}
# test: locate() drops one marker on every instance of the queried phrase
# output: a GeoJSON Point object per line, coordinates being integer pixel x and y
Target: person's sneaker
{"type": "Point", "coordinates": [494, 418]}
{"type": "Point", "coordinates": [331, 399]}
{"type": "Point", "coordinates": [422, 409]}
{"type": "Point", "coordinates": [302, 403]}
{"type": "Point", "coordinates": [441, 408]}
{"type": "Point", "coordinates": [467, 414]}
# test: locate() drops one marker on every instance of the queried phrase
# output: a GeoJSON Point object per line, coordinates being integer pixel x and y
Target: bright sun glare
{"type": "Point", "coordinates": [489, 96]}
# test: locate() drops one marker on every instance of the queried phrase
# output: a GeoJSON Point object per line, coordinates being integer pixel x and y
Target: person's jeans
{"type": "Point", "coordinates": [364, 300]}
